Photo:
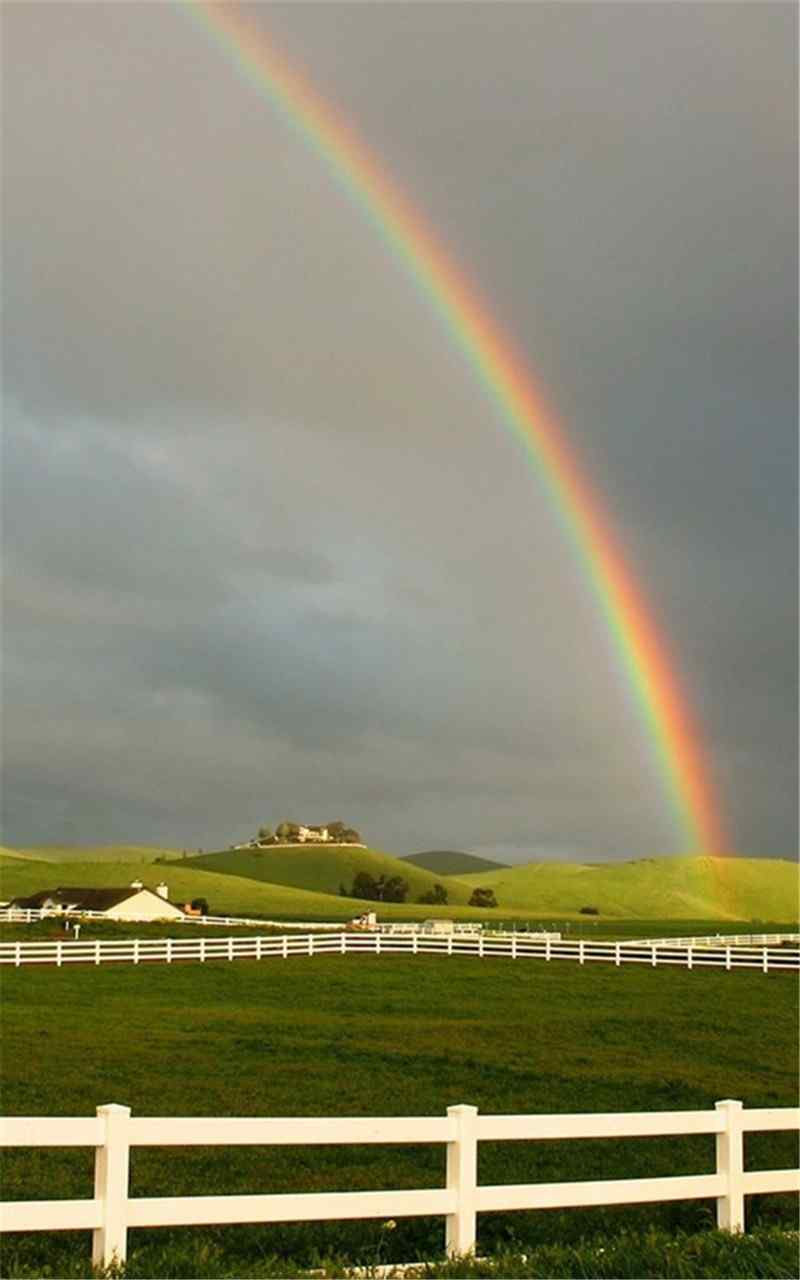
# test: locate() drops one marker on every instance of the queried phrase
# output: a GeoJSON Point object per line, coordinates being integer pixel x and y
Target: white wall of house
{"type": "Point", "coordinates": [144, 905]}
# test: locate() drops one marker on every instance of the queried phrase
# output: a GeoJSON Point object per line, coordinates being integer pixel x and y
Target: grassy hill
{"type": "Point", "coordinates": [226, 894]}
{"type": "Point", "coordinates": [451, 862]}
{"type": "Point", "coordinates": [653, 888]}
{"type": "Point", "coordinates": [95, 853]}
{"type": "Point", "coordinates": [322, 868]}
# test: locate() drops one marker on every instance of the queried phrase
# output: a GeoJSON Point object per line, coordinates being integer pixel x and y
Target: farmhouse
{"type": "Point", "coordinates": [132, 903]}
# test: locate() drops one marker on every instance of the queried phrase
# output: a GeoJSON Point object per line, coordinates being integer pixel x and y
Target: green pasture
{"type": "Point", "coordinates": [388, 1036]}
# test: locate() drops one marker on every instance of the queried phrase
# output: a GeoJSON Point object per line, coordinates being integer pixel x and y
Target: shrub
{"type": "Point", "coordinates": [437, 896]}
{"type": "Point", "coordinates": [483, 898]}
{"type": "Point", "coordinates": [590, 911]}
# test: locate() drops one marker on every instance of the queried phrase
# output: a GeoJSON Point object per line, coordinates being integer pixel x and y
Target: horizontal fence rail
{"type": "Point", "coordinates": [517, 946]}
{"type": "Point", "coordinates": [721, 940]}
{"type": "Point", "coordinates": [113, 1132]}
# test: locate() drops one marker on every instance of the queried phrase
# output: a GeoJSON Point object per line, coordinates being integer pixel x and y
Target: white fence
{"type": "Point", "coordinates": [114, 1131]}
{"type": "Point", "coordinates": [721, 940]}
{"type": "Point", "coordinates": [517, 946]}
{"type": "Point", "coordinates": [32, 915]}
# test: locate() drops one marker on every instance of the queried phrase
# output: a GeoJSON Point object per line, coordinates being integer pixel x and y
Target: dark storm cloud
{"type": "Point", "coordinates": [269, 549]}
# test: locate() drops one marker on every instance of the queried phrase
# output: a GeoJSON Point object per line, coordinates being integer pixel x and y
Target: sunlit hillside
{"type": "Point", "coordinates": [654, 888]}
{"type": "Point", "coordinates": [96, 853]}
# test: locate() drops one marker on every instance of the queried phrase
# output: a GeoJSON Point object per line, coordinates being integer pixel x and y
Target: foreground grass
{"type": "Point", "coordinates": [396, 1036]}
{"type": "Point", "coordinates": [767, 1253]}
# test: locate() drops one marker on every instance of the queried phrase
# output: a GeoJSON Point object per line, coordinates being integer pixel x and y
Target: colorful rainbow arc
{"type": "Point", "coordinates": [640, 649]}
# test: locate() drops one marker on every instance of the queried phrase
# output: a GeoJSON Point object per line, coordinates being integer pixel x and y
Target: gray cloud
{"type": "Point", "coordinates": [270, 548]}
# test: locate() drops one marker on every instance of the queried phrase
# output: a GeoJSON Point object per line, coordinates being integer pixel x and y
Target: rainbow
{"type": "Point", "coordinates": [640, 649]}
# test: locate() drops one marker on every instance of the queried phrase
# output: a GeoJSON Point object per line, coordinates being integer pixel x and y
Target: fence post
{"type": "Point", "coordinates": [58, 953]}
{"type": "Point", "coordinates": [111, 1166]}
{"type": "Point", "coordinates": [285, 947]}
{"type": "Point", "coordinates": [730, 1163]}
{"type": "Point", "coordinates": [689, 955]}
{"type": "Point", "coordinates": [580, 951]}
{"type": "Point", "coordinates": [617, 959]}
{"type": "Point", "coordinates": [765, 962]}
{"type": "Point", "coordinates": [18, 954]}
{"type": "Point", "coordinates": [97, 952]}
{"type": "Point", "coordinates": [169, 950]}
{"type": "Point", "coordinates": [462, 1178]}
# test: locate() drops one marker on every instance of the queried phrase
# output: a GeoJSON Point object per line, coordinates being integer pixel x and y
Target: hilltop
{"type": "Point", "coordinates": [451, 862]}
{"type": "Point", "coordinates": [653, 888]}
{"type": "Point", "coordinates": [323, 868]}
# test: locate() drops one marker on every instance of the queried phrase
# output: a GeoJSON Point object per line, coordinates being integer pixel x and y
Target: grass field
{"type": "Point", "coordinates": [361, 1036]}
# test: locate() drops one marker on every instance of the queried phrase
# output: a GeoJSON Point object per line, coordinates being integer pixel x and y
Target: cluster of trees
{"type": "Point", "coordinates": [376, 888]}
{"type": "Point", "coordinates": [395, 889]}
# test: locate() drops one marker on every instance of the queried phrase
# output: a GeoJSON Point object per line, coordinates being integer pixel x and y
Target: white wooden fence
{"type": "Point", "coordinates": [720, 940]}
{"type": "Point", "coordinates": [114, 1131]}
{"type": "Point", "coordinates": [518, 946]}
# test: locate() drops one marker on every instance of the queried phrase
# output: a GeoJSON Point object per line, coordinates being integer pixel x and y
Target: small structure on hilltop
{"type": "Point", "coordinates": [298, 833]}
{"type": "Point", "coordinates": [135, 902]}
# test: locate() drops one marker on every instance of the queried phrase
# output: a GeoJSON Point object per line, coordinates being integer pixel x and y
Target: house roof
{"type": "Point", "coordinates": [83, 898]}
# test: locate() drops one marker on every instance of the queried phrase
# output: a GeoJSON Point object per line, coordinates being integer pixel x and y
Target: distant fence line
{"type": "Point", "coordinates": [517, 946]}
{"type": "Point", "coordinates": [113, 1132]}
{"type": "Point", "coordinates": [720, 940]}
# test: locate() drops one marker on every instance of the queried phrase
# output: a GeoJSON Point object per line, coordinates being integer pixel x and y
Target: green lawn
{"type": "Point", "coordinates": [393, 1036]}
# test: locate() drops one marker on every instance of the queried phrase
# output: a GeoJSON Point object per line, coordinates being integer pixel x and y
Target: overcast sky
{"type": "Point", "coordinates": [270, 551]}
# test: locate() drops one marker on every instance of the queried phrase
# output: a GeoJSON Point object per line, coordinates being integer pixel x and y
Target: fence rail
{"type": "Point", "coordinates": [114, 1132]}
{"type": "Point", "coordinates": [720, 940]}
{"type": "Point", "coordinates": [519, 946]}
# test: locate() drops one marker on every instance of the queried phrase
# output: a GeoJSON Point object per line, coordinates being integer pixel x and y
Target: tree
{"type": "Point", "coordinates": [589, 911]}
{"type": "Point", "coordinates": [350, 836]}
{"type": "Point", "coordinates": [437, 896]}
{"type": "Point", "coordinates": [395, 889]}
{"type": "Point", "coordinates": [200, 904]}
{"type": "Point", "coordinates": [483, 898]}
{"type": "Point", "coordinates": [265, 833]}
{"type": "Point", "coordinates": [336, 830]}
{"type": "Point", "coordinates": [364, 886]}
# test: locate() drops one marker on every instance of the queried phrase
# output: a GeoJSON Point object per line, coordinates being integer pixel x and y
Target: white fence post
{"type": "Point", "coordinates": [689, 956]}
{"type": "Point", "coordinates": [616, 954]}
{"type": "Point", "coordinates": [111, 1167]}
{"type": "Point", "coordinates": [730, 1163]}
{"type": "Point", "coordinates": [169, 950]}
{"type": "Point", "coordinates": [58, 953]}
{"type": "Point", "coordinates": [580, 951]}
{"type": "Point", "coordinates": [765, 962]}
{"type": "Point", "coordinates": [462, 1178]}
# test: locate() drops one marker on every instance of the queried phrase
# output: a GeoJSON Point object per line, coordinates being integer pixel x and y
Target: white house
{"type": "Point", "coordinates": [132, 903]}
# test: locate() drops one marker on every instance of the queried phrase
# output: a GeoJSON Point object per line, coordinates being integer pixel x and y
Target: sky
{"type": "Point", "coordinates": [270, 550]}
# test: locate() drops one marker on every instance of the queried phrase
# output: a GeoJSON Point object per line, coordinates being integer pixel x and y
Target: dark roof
{"type": "Point", "coordinates": [80, 897]}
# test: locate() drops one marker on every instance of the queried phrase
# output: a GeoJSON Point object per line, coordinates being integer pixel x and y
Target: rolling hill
{"type": "Point", "coordinates": [95, 853]}
{"type": "Point", "coordinates": [653, 888]}
{"type": "Point", "coordinates": [323, 868]}
{"type": "Point", "coordinates": [451, 862]}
